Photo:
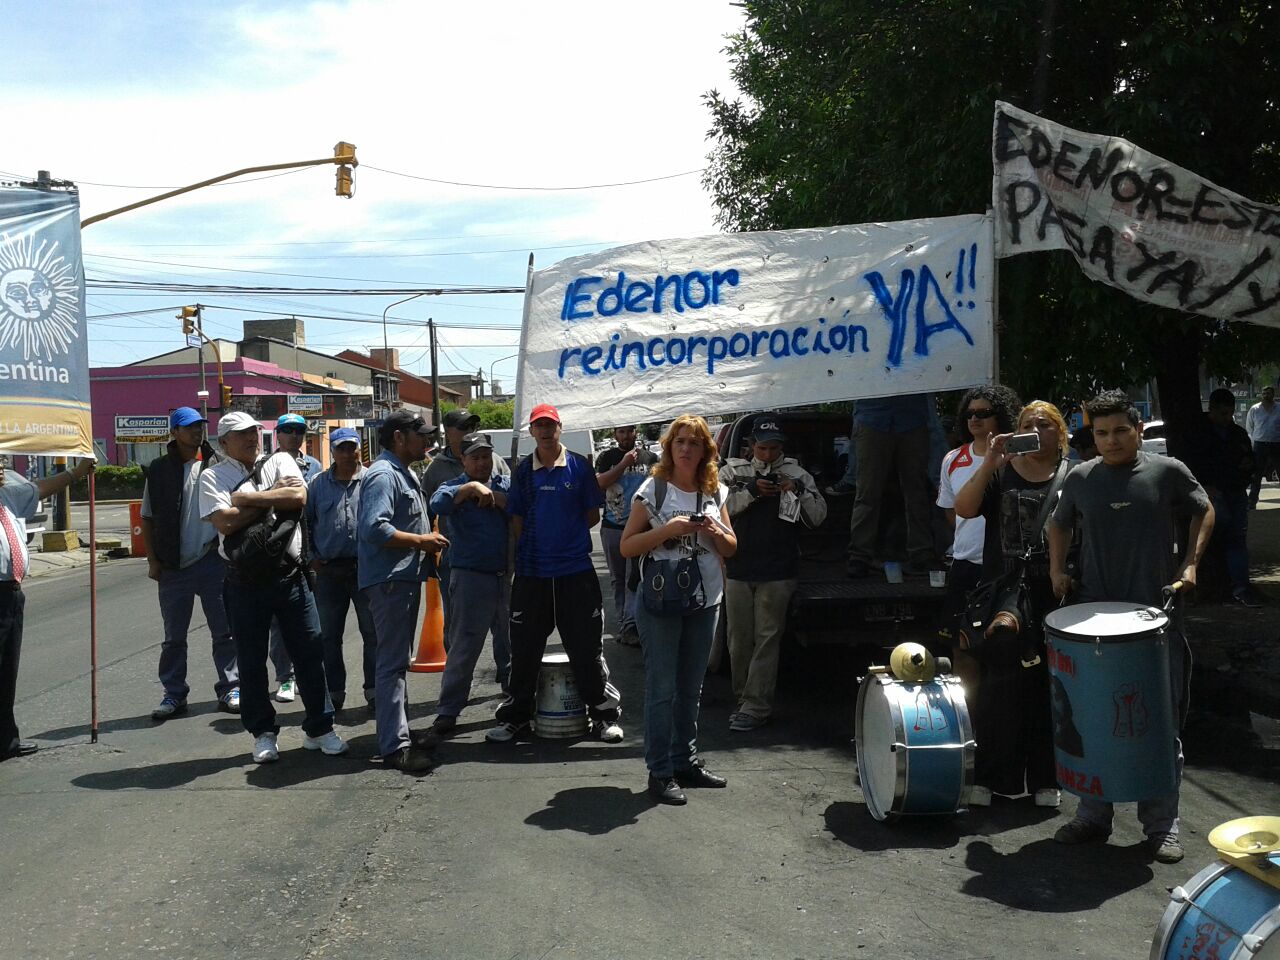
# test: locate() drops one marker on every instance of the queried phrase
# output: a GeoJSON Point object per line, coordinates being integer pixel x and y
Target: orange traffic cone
{"type": "Point", "coordinates": [430, 656]}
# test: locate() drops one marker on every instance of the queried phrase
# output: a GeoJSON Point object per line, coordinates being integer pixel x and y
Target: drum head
{"type": "Point", "coordinates": [877, 762]}
{"type": "Point", "coordinates": [553, 658]}
{"type": "Point", "coordinates": [1106, 621]}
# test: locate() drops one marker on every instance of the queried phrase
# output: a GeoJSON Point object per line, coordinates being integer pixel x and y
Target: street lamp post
{"type": "Point", "coordinates": [386, 350]}
{"type": "Point", "coordinates": [493, 394]}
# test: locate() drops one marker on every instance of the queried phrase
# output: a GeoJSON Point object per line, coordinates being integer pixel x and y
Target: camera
{"type": "Point", "coordinates": [1021, 443]}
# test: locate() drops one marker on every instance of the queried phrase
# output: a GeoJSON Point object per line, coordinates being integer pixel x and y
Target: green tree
{"type": "Point", "coordinates": [857, 111]}
{"type": "Point", "coordinates": [493, 415]}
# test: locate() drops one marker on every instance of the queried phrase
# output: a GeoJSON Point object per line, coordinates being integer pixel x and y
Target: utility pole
{"type": "Point", "coordinates": [435, 374]}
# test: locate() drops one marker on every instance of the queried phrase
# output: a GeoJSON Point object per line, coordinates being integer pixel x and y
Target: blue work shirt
{"type": "Point", "coordinates": [332, 509]}
{"type": "Point", "coordinates": [21, 498]}
{"type": "Point", "coordinates": [553, 502]}
{"type": "Point", "coordinates": [477, 535]}
{"type": "Point", "coordinates": [390, 500]}
{"type": "Point", "coordinates": [893, 414]}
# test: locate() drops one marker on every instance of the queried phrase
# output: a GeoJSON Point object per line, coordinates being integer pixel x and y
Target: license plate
{"type": "Point", "coordinates": [887, 612]}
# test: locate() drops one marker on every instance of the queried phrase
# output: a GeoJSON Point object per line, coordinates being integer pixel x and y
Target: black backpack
{"type": "Point", "coordinates": [260, 551]}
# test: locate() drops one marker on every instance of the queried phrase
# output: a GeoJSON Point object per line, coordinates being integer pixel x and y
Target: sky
{"type": "Point", "coordinates": [131, 98]}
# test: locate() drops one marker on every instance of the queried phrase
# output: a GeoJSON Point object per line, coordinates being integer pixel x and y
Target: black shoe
{"type": "Point", "coordinates": [666, 791]}
{"type": "Point", "coordinates": [424, 739]}
{"type": "Point", "coordinates": [1247, 600]}
{"type": "Point", "coordinates": [699, 776]}
{"type": "Point", "coordinates": [409, 760]}
{"type": "Point", "coordinates": [444, 726]}
{"type": "Point", "coordinates": [24, 749]}
{"type": "Point", "coordinates": [857, 569]}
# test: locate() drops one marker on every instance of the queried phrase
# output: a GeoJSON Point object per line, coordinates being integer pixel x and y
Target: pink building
{"type": "Point", "coordinates": [141, 392]}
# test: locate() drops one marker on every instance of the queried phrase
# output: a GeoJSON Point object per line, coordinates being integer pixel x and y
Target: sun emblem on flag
{"type": "Point", "coordinates": [39, 298]}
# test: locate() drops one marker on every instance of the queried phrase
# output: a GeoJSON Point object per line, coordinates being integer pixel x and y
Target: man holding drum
{"type": "Point", "coordinates": [1126, 502]}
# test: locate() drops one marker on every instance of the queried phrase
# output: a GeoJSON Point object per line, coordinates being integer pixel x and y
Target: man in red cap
{"type": "Point", "coordinates": [554, 502]}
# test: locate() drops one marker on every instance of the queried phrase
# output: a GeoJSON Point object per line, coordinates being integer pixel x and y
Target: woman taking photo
{"type": "Point", "coordinates": [1011, 713]}
{"type": "Point", "coordinates": [678, 514]}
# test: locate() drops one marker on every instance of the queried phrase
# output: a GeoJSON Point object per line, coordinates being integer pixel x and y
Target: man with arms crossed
{"type": "Point", "coordinates": [1125, 503]}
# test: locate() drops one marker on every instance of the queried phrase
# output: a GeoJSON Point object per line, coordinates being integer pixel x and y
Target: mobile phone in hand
{"type": "Point", "coordinates": [1022, 443]}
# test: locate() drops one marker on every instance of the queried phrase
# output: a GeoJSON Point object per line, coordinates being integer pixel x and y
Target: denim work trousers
{"type": "Point", "coordinates": [756, 617]}
{"type": "Point", "coordinates": [1158, 816]}
{"type": "Point", "coordinates": [336, 591]}
{"type": "Point", "coordinates": [481, 606]}
{"type": "Point", "coordinates": [624, 600]}
{"type": "Point", "coordinates": [178, 590]}
{"type": "Point", "coordinates": [12, 604]}
{"type": "Point", "coordinates": [394, 604]}
{"type": "Point", "coordinates": [279, 655]}
{"type": "Point", "coordinates": [571, 605]}
{"type": "Point", "coordinates": [882, 458]}
{"type": "Point", "coordinates": [1231, 528]}
{"type": "Point", "coordinates": [676, 650]}
{"type": "Point", "coordinates": [251, 607]}
{"type": "Point", "coordinates": [444, 571]}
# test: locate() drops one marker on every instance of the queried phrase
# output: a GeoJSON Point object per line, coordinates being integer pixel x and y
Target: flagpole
{"type": "Point", "coordinates": [517, 411]}
{"type": "Point", "coordinates": [995, 302]}
{"type": "Point", "coordinates": [93, 612]}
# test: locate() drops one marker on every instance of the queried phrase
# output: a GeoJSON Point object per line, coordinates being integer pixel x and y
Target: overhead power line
{"type": "Point", "coordinates": [133, 286]}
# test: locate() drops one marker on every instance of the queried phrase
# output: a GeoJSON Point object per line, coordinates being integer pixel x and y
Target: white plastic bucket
{"type": "Point", "coordinates": [561, 712]}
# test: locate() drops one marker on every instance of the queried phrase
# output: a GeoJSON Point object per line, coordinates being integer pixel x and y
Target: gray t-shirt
{"type": "Point", "coordinates": [1126, 516]}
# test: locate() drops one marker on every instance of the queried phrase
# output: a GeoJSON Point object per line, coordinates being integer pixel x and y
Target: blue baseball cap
{"type": "Point", "coordinates": [343, 435]}
{"type": "Point", "coordinates": [184, 417]}
{"type": "Point", "coordinates": [292, 420]}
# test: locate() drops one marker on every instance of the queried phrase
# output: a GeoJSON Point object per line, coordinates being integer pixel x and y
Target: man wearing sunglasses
{"type": "Point", "coordinates": [291, 433]}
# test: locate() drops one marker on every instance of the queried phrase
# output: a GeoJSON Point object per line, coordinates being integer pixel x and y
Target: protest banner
{"type": "Point", "coordinates": [742, 321]}
{"type": "Point", "coordinates": [1133, 220]}
{"type": "Point", "coordinates": [44, 350]}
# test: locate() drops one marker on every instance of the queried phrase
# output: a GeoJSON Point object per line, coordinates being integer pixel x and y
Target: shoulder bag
{"type": "Point", "coordinates": [671, 587]}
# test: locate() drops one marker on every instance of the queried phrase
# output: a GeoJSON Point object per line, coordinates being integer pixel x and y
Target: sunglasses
{"type": "Point", "coordinates": [980, 414]}
{"type": "Point", "coordinates": [299, 430]}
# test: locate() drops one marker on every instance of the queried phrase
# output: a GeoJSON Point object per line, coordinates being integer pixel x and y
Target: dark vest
{"type": "Point", "coordinates": [164, 484]}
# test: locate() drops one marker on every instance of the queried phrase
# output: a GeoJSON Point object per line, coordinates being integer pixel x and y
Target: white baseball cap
{"type": "Point", "coordinates": [237, 420]}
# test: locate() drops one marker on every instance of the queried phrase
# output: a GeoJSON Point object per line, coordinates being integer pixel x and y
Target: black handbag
{"type": "Point", "coordinates": [671, 587]}
{"type": "Point", "coordinates": [260, 551]}
{"type": "Point", "coordinates": [1003, 601]}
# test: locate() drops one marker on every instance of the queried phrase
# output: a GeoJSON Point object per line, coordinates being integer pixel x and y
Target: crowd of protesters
{"type": "Point", "coordinates": [279, 549]}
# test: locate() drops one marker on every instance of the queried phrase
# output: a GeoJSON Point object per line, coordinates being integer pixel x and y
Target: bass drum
{"type": "Point", "coordinates": [915, 747]}
{"type": "Point", "coordinates": [1223, 913]}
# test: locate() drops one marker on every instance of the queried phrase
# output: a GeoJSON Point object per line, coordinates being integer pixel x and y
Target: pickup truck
{"type": "Point", "coordinates": [828, 607]}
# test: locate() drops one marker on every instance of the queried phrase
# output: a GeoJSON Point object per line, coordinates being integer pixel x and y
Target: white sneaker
{"type": "Point", "coordinates": [1048, 797]}
{"type": "Point", "coordinates": [331, 745]}
{"type": "Point", "coordinates": [264, 749]}
{"type": "Point", "coordinates": [608, 731]}
{"type": "Point", "coordinates": [287, 693]}
{"type": "Point", "coordinates": [980, 796]}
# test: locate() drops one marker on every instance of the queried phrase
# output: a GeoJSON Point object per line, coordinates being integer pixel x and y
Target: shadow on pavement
{"type": "Point", "coordinates": [853, 825]}
{"type": "Point", "coordinates": [1045, 877]}
{"type": "Point", "coordinates": [591, 810]}
{"type": "Point", "coordinates": [539, 751]}
{"type": "Point", "coordinates": [222, 722]}
{"type": "Point", "coordinates": [294, 767]}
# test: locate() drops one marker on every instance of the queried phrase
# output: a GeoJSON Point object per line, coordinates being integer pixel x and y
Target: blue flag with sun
{"type": "Point", "coordinates": [44, 348]}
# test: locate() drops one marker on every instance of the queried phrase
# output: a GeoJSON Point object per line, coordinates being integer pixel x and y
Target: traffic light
{"type": "Point", "coordinates": [188, 317]}
{"type": "Point", "coordinates": [345, 154]}
{"type": "Point", "coordinates": [226, 396]}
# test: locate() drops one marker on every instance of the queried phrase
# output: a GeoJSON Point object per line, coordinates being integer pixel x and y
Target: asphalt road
{"type": "Point", "coordinates": [167, 841]}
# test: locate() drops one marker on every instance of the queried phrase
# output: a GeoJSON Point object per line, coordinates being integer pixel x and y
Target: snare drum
{"type": "Point", "coordinates": [915, 747]}
{"type": "Point", "coordinates": [561, 712]}
{"type": "Point", "coordinates": [1114, 734]}
{"type": "Point", "coordinates": [1222, 913]}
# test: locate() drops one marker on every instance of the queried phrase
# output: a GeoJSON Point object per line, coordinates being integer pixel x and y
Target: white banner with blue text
{"type": "Point", "coordinates": [744, 321]}
{"type": "Point", "coordinates": [1133, 220]}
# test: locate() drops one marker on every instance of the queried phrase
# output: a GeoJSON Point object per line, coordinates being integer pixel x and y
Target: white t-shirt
{"type": "Point", "coordinates": [1263, 424]}
{"type": "Point", "coordinates": [677, 503]}
{"type": "Point", "coordinates": [195, 532]}
{"type": "Point", "coordinates": [219, 481]}
{"type": "Point", "coordinates": [957, 467]}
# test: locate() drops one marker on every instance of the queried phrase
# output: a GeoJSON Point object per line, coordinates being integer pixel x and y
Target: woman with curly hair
{"type": "Point", "coordinates": [1011, 713]}
{"type": "Point", "coordinates": [982, 411]}
{"type": "Point", "coordinates": [683, 516]}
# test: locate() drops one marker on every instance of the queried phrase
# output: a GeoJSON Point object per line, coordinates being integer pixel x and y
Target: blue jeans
{"type": "Point", "coordinates": [676, 650]}
{"type": "Point", "coordinates": [394, 604]}
{"type": "Point", "coordinates": [250, 607]}
{"type": "Point", "coordinates": [336, 591]}
{"type": "Point", "coordinates": [1231, 524]}
{"type": "Point", "coordinates": [178, 590]}
{"type": "Point", "coordinates": [481, 606]}
{"type": "Point", "coordinates": [445, 571]}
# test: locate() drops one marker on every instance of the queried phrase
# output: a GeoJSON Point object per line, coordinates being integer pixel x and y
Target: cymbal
{"type": "Point", "coordinates": [1247, 835]}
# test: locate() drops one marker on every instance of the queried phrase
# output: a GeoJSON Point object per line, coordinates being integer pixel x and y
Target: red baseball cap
{"type": "Point", "coordinates": [544, 411]}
